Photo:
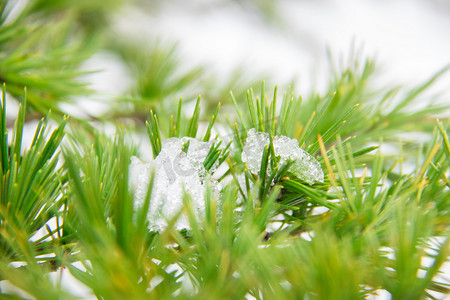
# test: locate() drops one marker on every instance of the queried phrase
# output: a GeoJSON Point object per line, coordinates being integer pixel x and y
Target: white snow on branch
{"type": "Point", "coordinates": [304, 166]}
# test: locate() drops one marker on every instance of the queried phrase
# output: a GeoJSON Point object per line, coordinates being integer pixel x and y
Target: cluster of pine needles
{"type": "Point", "coordinates": [378, 223]}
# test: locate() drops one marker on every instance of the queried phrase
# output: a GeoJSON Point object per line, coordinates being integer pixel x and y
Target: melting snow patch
{"type": "Point", "coordinates": [174, 170]}
{"type": "Point", "coordinates": [304, 166]}
{"type": "Point", "coordinates": [254, 149]}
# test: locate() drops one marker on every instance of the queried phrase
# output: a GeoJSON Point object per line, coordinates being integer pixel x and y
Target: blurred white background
{"type": "Point", "coordinates": [410, 39]}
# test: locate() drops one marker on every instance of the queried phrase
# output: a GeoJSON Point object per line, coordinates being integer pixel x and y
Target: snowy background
{"type": "Point", "coordinates": [410, 39]}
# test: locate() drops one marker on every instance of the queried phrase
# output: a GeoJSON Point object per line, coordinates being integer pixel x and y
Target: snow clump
{"type": "Point", "coordinates": [304, 166]}
{"type": "Point", "coordinates": [174, 170]}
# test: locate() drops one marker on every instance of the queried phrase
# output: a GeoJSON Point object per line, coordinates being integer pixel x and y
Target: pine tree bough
{"type": "Point", "coordinates": [276, 224]}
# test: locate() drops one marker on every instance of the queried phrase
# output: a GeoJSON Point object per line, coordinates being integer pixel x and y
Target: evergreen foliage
{"type": "Point", "coordinates": [378, 221]}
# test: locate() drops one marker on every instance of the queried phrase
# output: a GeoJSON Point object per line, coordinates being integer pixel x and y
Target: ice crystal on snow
{"type": "Point", "coordinates": [254, 149]}
{"type": "Point", "coordinates": [304, 166]}
{"type": "Point", "coordinates": [174, 170]}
